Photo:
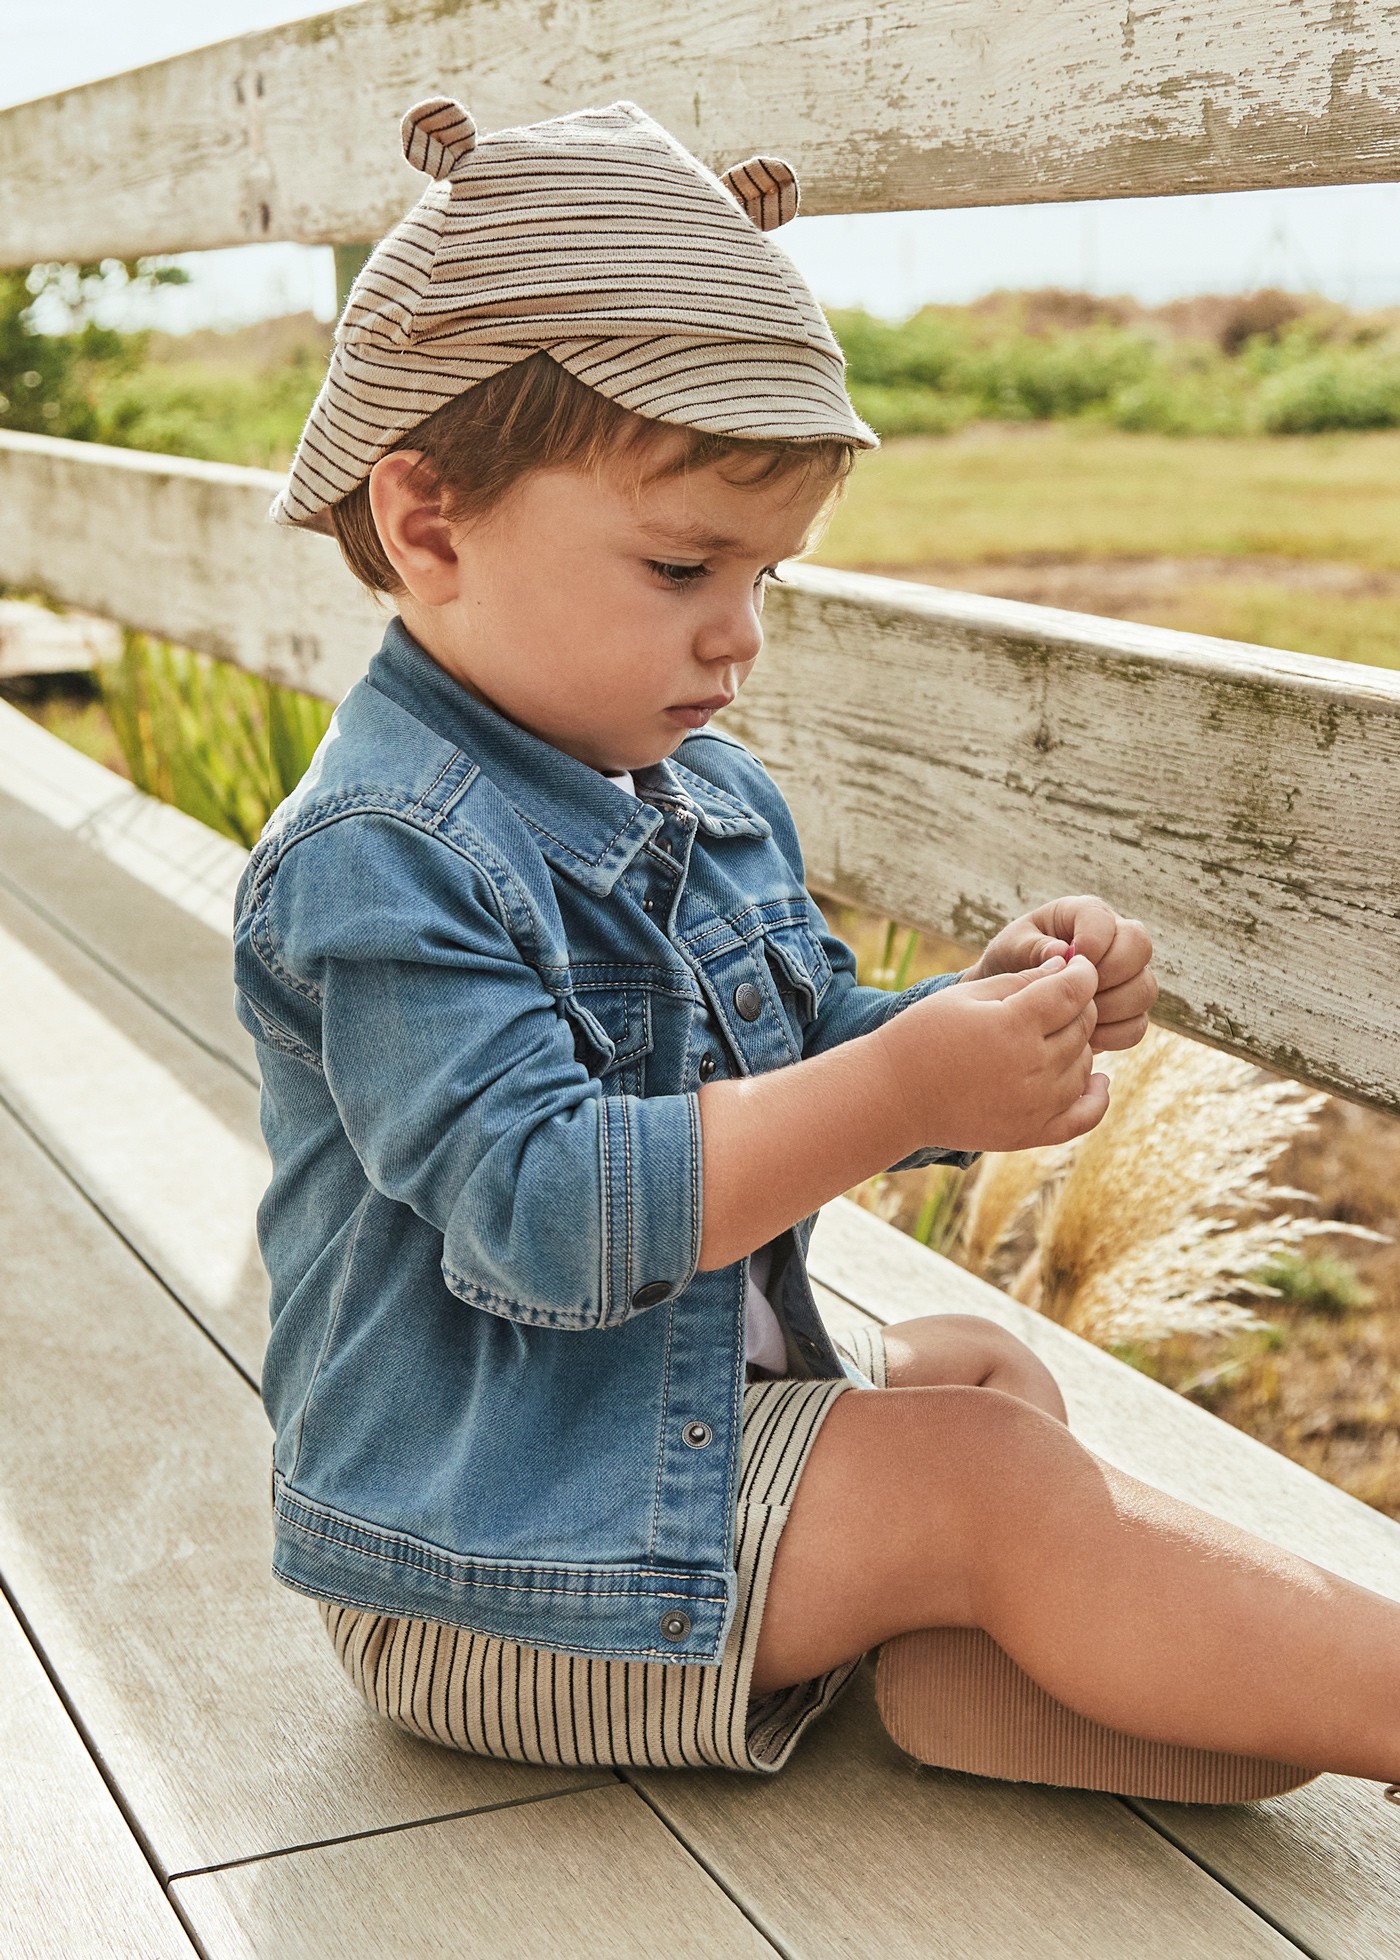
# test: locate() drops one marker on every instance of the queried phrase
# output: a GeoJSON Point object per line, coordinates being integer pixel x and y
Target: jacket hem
{"type": "Point", "coordinates": [603, 1611]}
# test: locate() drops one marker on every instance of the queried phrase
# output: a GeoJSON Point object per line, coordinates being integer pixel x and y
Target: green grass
{"type": "Point", "coordinates": [1063, 491]}
{"type": "Point", "coordinates": [222, 745]}
{"type": "Point", "coordinates": [215, 411]}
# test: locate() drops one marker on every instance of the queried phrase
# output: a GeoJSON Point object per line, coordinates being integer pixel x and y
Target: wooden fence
{"type": "Point", "coordinates": [950, 759]}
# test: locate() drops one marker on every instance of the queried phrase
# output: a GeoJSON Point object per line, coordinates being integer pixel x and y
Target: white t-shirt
{"type": "Point", "coordinates": [763, 1337]}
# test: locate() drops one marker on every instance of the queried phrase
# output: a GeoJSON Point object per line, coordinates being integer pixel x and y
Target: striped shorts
{"type": "Point", "coordinates": [530, 1705]}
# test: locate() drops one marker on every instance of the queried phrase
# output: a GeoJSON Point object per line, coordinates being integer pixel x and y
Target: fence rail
{"type": "Point", "coordinates": [894, 105]}
{"type": "Point", "coordinates": [950, 759]}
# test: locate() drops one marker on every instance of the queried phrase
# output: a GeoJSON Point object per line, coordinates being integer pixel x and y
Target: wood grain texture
{"type": "Point", "coordinates": [162, 1137]}
{"type": "Point", "coordinates": [902, 104]}
{"type": "Point", "coordinates": [73, 1880]}
{"type": "Point", "coordinates": [195, 559]}
{"type": "Point", "coordinates": [951, 760]}
{"type": "Point", "coordinates": [1322, 1860]}
{"type": "Point", "coordinates": [145, 889]}
{"type": "Point", "coordinates": [855, 1849]}
{"type": "Point", "coordinates": [181, 859]}
{"type": "Point", "coordinates": [135, 1534]}
{"type": "Point", "coordinates": [591, 1874]}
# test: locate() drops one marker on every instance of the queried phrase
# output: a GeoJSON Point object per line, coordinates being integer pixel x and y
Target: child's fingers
{"type": "Point", "coordinates": [1000, 986]}
{"type": "Point", "coordinates": [1129, 998]}
{"type": "Point", "coordinates": [1129, 953]}
{"type": "Point", "coordinates": [1082, 1115]}
{"type": "Point", "coordinates": [1119, 1034]}
{"type": "Point", "coordinates": [1065, 1047]}
{"type": "Point", "coordinates": [1058, 995]}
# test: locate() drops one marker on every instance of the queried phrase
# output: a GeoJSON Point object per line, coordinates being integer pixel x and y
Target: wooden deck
{"type": "Point", "coordinates": [186, 1770]}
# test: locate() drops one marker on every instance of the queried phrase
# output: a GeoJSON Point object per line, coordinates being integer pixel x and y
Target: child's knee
{"type": "Point", "coordinates": [969, 1350]}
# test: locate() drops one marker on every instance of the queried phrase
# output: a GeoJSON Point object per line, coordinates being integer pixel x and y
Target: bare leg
{"type": "Point", "coordinates": [960, 1506]}
{"type": "Point", "coordinates": [966, 1349]}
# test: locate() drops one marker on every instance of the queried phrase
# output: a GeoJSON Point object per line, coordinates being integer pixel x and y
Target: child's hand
{"type": "Point", "coordinates": [998, 1064]}
{"type": "Point", "coordinates": [1119, 948]}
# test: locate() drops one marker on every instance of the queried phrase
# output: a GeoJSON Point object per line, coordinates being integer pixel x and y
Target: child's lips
{"type": "Point", "coordinates": [690, 717]}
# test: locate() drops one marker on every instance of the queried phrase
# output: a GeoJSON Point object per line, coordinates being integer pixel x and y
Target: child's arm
{"type": "Point", "coordinates": [999, 1064]}
{"type": "Point", "coordinates": [379, 955]}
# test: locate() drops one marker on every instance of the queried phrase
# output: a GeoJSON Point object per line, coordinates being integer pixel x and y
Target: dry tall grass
{"type": "Point", "coordinates": [1157, 1221]}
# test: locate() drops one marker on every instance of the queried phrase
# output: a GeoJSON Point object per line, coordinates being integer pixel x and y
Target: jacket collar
{"type": "Point", "coordinates": [583, 824]}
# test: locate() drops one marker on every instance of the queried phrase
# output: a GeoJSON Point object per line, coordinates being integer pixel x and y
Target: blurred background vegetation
{"type": "Point", "coordinates": [1225, 465]}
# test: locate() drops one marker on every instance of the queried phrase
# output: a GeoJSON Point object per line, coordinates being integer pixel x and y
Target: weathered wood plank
{"type": "Point", "coordinates": [34, 640]}
{"type": "Point", "coordinates": [161, 1136]}
{"type": "Point", "coordinates": [904, 104]}
{"type": "Point", "coordinates": [195, 558]}
{"type": "Point", "coordinates": [74, 1880]}
{"type": "Point", "coordinates": [1321, 1860]}
{"type": "Point", "coordinates": [951, 759]}
{"type": "Point", "coordinates": [592, 1873]}
{"type": "Point", "coordinates": [853, 1849]}
{"type": "Point", "coordinates": [146, 889]}
{"type": "Point", "coordinates": [134, 1532]}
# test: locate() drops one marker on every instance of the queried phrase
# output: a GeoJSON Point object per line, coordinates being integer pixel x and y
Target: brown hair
{"type": "Point", "coordinates": [535, 415]}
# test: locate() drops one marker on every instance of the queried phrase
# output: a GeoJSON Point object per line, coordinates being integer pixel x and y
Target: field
{"type": "Point", "coordinates": [1290, 541]}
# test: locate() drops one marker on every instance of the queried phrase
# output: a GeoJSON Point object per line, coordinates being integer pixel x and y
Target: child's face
{"type": "Point", "coordinates": [587, 610]}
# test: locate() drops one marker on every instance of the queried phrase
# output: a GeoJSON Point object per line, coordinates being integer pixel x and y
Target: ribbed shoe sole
{"type": "Point", "coordinates": [951, 1696]}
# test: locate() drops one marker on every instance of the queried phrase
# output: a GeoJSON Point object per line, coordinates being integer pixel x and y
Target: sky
{"type": "Point", "coordinates": [1342, 241]}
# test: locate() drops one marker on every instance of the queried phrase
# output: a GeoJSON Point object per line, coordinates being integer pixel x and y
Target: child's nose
{"type": "Point", "coordinates": [733, 632]}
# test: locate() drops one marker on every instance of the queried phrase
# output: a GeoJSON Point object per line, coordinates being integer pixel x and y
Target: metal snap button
{"type": "Point", "coordinates": [652, 1293]}
{"type": "Point", "coordinates": [697, 1434]}
{"type": "Point", "coordinates": [708, 1065]}
{"type": "Point", "coordinates": [748, 1000]}
{"type": "Point", "coordinates": [675, 1626]}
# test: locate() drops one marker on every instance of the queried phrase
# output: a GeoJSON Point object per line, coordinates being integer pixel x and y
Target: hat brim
{"type": "Point", "coordinates": [761, 391]}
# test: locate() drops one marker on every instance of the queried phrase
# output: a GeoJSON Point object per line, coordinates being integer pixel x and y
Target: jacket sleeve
{"type": "Point", "coordinates": [847, 1007]}
{"type": "Point", "coordinates": [455, 1075]}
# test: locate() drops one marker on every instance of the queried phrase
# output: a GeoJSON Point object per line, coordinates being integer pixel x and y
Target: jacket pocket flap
{"type": "Point", "coordinates": [613, 1029]}
{"type": "Point", "coordinates": [799, 955]}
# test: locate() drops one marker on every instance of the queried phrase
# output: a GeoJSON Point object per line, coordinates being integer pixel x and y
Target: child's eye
{"type": "Point", "coordinates": [681, 575]}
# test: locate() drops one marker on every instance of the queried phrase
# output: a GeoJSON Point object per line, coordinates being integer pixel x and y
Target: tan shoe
{"type": "Point", "coordinates": [953, 1697]}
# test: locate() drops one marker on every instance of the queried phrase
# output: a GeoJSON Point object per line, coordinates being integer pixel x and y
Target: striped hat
{"type": "Point", "coordinates": [599, 239]}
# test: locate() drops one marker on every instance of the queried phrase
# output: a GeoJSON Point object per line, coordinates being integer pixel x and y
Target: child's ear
{"type": "Point", "coordinates": [415, 535]}
{"type": "Point", "coordinates": [767, 189]}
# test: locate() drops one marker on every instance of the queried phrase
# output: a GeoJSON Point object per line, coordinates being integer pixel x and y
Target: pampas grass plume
{"type": "Point", "coordinates": [1150, 1220]}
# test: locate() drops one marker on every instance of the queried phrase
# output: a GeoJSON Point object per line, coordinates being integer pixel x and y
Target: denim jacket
{"type": "Point", "coordinates": [485, 984]}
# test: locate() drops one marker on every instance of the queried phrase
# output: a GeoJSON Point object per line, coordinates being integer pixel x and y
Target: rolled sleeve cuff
{"type": "Point", "coordinates": [652, 1194]}
{"type": "Point", "coordinates": [919, 1160]}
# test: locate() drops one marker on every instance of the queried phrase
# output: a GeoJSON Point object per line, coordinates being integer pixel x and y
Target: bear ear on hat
{"type": "Point", "coordinates": [767, 189]}
{"type": "Point", "coordinates": [438, 135]}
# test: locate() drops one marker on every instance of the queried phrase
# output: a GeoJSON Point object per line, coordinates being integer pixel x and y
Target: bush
{"type": "Point", "coordinates": [1268, 363]}
{"type": "Point", "coordinates": [1339, 388]}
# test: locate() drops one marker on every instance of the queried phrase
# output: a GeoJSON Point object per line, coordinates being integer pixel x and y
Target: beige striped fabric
{"type": "Point", "coordinates": [530, 1705]}
{"type": "Point", "coordinates": [600, 239]}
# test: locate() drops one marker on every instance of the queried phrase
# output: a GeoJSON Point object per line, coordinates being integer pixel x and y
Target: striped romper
{"type": "Point", "coordinates": [531, 1705]}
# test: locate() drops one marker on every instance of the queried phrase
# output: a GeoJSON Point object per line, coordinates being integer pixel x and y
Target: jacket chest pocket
{"type": "Point", "coordinates": [612, 1036]}
{"type": "Point", "coordinates": [800, 967]}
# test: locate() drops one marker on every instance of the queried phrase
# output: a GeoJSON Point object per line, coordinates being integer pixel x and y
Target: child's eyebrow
{"type": "Point", "coordinates": [691, 537]}
{"type": "Point", "coordinates": [695, 538]}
